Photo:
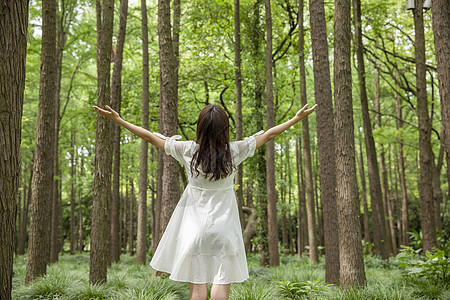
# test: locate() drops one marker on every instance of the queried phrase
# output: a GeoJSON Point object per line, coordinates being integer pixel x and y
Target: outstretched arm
{"type": "Point", "coordinates": [275, 131]}
{"type": "Point", "coordinates": [139, 131]}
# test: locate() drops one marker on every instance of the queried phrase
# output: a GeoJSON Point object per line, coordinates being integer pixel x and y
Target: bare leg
{"type": "Point", "coordinates": [198, 291]}
{"type": "Point", "coordinates": [220, 291]}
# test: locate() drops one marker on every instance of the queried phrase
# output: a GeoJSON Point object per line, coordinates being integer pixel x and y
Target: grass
{"type": "Point", "coordinates": [68, 279]}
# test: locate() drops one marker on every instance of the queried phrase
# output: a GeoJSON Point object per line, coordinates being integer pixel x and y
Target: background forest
{"type": "Point", "coordinates": [390, 127]}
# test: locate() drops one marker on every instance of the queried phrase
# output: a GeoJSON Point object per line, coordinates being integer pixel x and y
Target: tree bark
{"type": "Point", "coordinates": [42, 182]}
{"type": "Point", "coordinates": [100, 228]}
{"type": "Point", "coordinates": [302, 232]}
{"type": "Point", "coordinates": [24, 224]}
{"type": "Point", "coordinates": [238, 97]}
{"type": "Point", "coordinates": [274, 259]}
{"type": "Point", "coordinates": [325, 135]}
{"type": "Point", "coordinates": [72, 191]}
{"type": "Point", "coordinates": [141, 248]}
{"type": "Point", "coordinates": [437, 191]}
{"type": "Point", "coordinates": [116, 100]}
{"type": "Point", "coordinates": [131, 201]}
{"type": "Point", "coordinates": [364, 196]}
{"type": "Point", "coordinates": [378, 222]}
{"type": "Point", "coordinates": [168, 112]}
{"type": "Point", "coordinates": [389, 221]}
{"type": "Point", "coordinates": [312, 232]}
{"type": "Point", "coordinates": [13, 45]}
{"type": "Point", "coordinates": [425, 151]}
{"type": "Point", "coordinates": [403, 231]}
{"type": "Point", "coordinates": [441, 29]}
{"type": "Point", "coordinates": [350, 249]}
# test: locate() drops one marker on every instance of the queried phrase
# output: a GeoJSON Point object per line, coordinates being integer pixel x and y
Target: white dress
{"type": "Point", "coordinates": [203, 240]}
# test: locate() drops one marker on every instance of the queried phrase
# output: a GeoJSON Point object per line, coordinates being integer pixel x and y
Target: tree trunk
{"type": "Point", "coordinates": [441, 29]}
{"type": "Point", "coordinates": [378, 222]}
{"type": "Point", "coordinates": [42, 182]}
{"type": "Point", "coordinates": [13, 45]}
{"type": "Point", "coordinates": [425, 151]}
{"type": "Point", "coordinates": [259, 167]}
{"type": "Point", "coordinates": [350, 249]}
{"type": "Point", "coordinates": [168, 112]}
{"type": "Point", "coordinates": [141, 248]}
{"type": "Point", "coordinates": [100, 228]}
{"type": "Point", "coordinates": [116, 100]}
{"type": "Point", "coordinates": [313, 252]}
{"type": "Point", "coordinates": [302, 233]}
{"type": "Point", "coordinates": [274, 259]}
{"type": "Point", "coordinates": [238, 97]}
{"type": "Point", "coordinates": [72, 191]}
{"type": "Point", "coordinates": [389, 224]}
{"type": "Point", "coordinates": [156, 216]}
{"type": "Point", "coordinates": [403, 232]}
{"type": "Point", "coordinates": [80, 211]}
{"type": "Point", "coordinates": [131, 202]}
{"type": "Point", "coordinates": [325, 135]}
{"type": "Point", "coordinates": [24, 224]}
{"type": "Point", "coordinates": [364, 196]}
{"type": "Point", "coordinates": [437, 191]}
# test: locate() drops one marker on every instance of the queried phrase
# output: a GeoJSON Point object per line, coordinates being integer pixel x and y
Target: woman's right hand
{"type": "Point", "coordinates": [108, 113]}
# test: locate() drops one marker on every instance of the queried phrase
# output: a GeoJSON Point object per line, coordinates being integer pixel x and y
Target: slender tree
{"type": "Point", "coordinates": [403, 231]}
{"type": "Point", "coordinates": [141, 247]}
{"type": "Point", "coordinates": [13, 45]}
{"type": "Point", "coordinates": [313, 251]}
{"type": "Point", "coordinates": [116, 99]}
{"type": "Point", "coordinates": [100, 228]}
{"type": "Point", "coordinates": [168, 120]}
{"type": "Point", "coordinates": [42, 182]}
{"type": "Point", "coordinates": [274, 259]}
{"type": "Point", "coordinates": [350, 249]}
{"type": "Point", "coordinates": [441, 29]}
{"type": "Point", "coordinates": [425, 151]}
{"type": "Point", "coordinates": [325, 134]}
{"type": "Point", "coordinates": [379, 228]}
{"type": "Point", "coordinates": [238, 97]}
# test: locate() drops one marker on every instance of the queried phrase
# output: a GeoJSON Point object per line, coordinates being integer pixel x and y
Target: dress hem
{"type": "Point", "coordinates": [171, 277]}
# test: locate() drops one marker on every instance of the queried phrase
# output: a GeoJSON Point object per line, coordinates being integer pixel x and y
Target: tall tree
{"type": "Point", "coordinates": [13, 45]}
{"type": "Point", "coordinates": [274, 259]}
{"type": "Point", "coordinates": [168, 103]}
{"type": "Point", "coordinates": [350, 248]}
{"type": "Point", "coordinates": [425, 151]}
{"type": "Point", "coordinates": [403, 231]}
{"type": "Point", "coordinates": [441, 29]}
{"type": "Point", "coordinates": [238, 97]}
{"type": "Point", "coordinates": [72, 191]}
{"type": "Point", "coordinates": [325, 134]}
{"type": "Point", "coordinates": [379, 228]}
{"type": "Point", "coordinates": [389, 220]}
{"type": "Point", "coordinates": [141, 247]}
{"type": "Point", "coordinates": [100, 228]}
{"type": "Point", "coordinates": [116, 99]}
{"type": "Point", "coordinates": [42, 182]}
{"type": "Point", "coordinates": [313, 251]}
{"type": "Point", "coordinates": [256, 33]}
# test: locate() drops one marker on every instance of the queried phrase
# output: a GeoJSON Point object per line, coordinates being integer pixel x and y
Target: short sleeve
{"type": "Point", "coordinates": [245, 148]}
{"type": "Point", "coordinates": [173, 147]}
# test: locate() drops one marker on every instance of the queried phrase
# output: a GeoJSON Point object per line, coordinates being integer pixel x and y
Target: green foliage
{"type": "Point", "coordinates": [301, 290]}
{"type": "Point", "coordinates": [434, 266]}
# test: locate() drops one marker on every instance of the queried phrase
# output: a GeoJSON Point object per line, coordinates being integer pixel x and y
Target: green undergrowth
{"type": "Point", "coordinates": [295, 278]}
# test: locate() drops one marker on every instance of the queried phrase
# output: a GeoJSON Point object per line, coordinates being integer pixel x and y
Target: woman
{"type": "Point", "coordinates": [203, 241]}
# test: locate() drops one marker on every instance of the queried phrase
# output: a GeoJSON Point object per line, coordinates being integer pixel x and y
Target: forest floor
{"type": "Point", "coordinates": [295, 278]}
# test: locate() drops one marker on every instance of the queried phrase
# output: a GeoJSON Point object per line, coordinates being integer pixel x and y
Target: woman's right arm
{"type": "Point", "coordinates": [139, 131]}
{"type": "Point", "coordinates": [275, 131]}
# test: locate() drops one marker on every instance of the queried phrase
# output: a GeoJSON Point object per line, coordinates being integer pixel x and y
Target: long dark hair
{"type": "Point", "coordinates": [213, 155]}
